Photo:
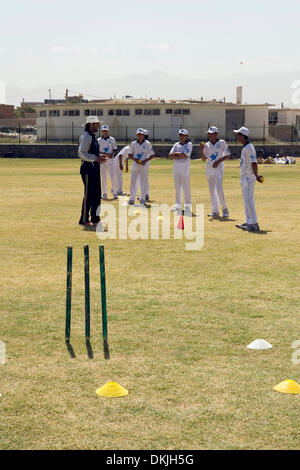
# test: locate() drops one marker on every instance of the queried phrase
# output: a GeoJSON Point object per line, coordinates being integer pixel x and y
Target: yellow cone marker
{"type": "Point", "coordinates": [288, 386]}
{"type": "Point", "coordinates": [112, 390]}
{"type": "Point", "coordinates": [137, 212]}
{"type": "Point", "coordinates": [160, 217]}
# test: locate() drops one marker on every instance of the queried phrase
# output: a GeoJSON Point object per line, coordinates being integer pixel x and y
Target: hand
{"type": "Point", "coordinates": [100, 159]}
{"type": "Point", "coordinates": [216, 164]}
{"type": "Point", "coordinates": [126, 169]}
{"type": "Point", "coordinates": [121, 167]}
{"type": "Point", "coordinates": [260, 178]}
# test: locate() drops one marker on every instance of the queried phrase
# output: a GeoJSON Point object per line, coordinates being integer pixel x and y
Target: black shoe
{"type": "Point", "coordinates": [242, 226]}
{"type": "Point", "coordinates": [147, 197]}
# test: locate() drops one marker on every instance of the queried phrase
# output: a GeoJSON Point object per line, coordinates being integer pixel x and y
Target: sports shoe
{"type": "Point", "coordinates": [214, 215]}
{"type": "Point", "coordinates": [226, 214]}
{"type": "Point", "coordinates": [253, 228]}
{"type": "Point", "coordinates": [187, 212]}
{"type": "Point", "coordinates": [122, 193]}
{"type": "Point", "coordinates": [130, 203]}
{"type": "Point", "coordinates": [147, 197]}
{"type": "Point", "coordinates": [242, 226]}
{"type": "Point", "coordinates": [104, 197]}
{"type": "Point", "coordinates": [115, 197]}
{"type": "Point", "coordinates": [175, 209]}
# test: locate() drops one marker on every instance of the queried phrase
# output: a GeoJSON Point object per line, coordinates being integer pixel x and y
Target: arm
{"type": "Point", "coordinates": [148, 159]}
{"type": "Point", "coordinates": [255, 171]}
{"type": "Point", "coordinates": [180, 156]}
{"type": "Point", "coordinates": [203, 157]}
{"type": "Point", "coordinates": [120, 162]}
{"type": "Point", "coordinates": [217, 163]}
{"type": "Point", "coordinates": [83, 149]}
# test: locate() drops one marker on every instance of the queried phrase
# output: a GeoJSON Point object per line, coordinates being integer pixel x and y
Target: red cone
{"type": "Point", "coordinates": [180, 225]}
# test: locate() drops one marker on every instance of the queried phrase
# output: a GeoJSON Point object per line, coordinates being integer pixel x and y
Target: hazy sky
{"type": "Point", "coordinates": [60, 41]}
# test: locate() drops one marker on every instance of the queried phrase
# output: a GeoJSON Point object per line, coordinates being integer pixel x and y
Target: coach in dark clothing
{"type": "Point", "coordinates": [88, 152]}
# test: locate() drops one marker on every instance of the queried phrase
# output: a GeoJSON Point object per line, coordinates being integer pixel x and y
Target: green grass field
{"type": "Point", "coordinates": [179, 322]}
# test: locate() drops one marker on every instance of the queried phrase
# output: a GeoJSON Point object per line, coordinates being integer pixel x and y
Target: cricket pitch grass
{"type": "Point", "coordinates": [179, 321]}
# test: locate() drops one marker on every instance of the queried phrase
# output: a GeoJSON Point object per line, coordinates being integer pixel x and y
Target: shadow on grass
{"type": "Point", "coordinates": [70, 350]}
{"type": "Point", "coordinates": [221, 219]}
{"type": "Point", "coordinates": [89, 350]}
{"type": "Point", "coordinates": [261, 232]}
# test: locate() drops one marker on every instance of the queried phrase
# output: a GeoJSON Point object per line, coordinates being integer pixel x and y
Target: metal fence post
{"type": "Point", "coordinates": [19, 133]}
{"type": "Point", "coordinates": [153, 132]}
{"type": "Point", "coordinates": [126, 134]}
{"type": "Point", "coordinates": [72, 132]}
{"type": "Point", "coordinates": [264, 133]}
{"type": "Point", "coordinates": [46, 132]}
{"type": "Point", "coordinates": [292, 134]}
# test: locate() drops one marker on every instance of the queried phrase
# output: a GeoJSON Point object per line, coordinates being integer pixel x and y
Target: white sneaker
{"type": "Point", "coordinates": [188, 212]}
{"type": "Point", "coordinates": [104, 197]}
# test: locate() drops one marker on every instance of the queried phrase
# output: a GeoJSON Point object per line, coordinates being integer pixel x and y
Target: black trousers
{"type": "Point", "coordinates": [90, 174]}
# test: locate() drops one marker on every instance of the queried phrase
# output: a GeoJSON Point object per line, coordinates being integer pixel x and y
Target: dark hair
{"type": "Point", "coordinates": [87, 127]}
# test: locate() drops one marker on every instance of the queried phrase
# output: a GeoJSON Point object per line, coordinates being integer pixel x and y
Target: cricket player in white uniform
{"type": "Point", "coordinates": [181, 154]}
{"type": "Point", "coordinates": [107, 149]}
{"type": "Point", "coordinates": [119, 161]}
{"type": "Point", "coordinates": [249, 175]}
{"type": "Point", "coordinates": [216, 151]}
{"type": "Point", "coordinates": [141, 152]}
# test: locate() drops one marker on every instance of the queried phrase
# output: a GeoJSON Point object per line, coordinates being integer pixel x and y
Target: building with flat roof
{"type": "Point", "coordinates": [63, 121]}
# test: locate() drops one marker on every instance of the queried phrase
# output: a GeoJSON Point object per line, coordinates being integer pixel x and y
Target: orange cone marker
{"type": "Point", "coordinates": [180, 225]}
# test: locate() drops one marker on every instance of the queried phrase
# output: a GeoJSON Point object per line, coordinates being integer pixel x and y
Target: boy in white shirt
{"type": "Point", "coordinates": [249, 175]}
{"type": "Point", "coordinates": [181, 154]}
{"type": "Point", "coordinates": [107, 148]}
{"type": "Point", "coordinates": [216, 152]}
{"type": "Point", "coordinates": [118, 163]}
{"type": "Point", "coordinates": [141, 152]}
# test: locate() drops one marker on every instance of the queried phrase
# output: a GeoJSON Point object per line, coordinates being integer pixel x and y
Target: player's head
{"type": "Point", "coordinates": [105, 131]}
{"type": "Point", "coordinates": [146, 134]}
{"type": "Point", "coordinates": [213, 133]}
{"type": "Point", "coordinates": [92, 124]}
{"type": "Point", "coordinates": [242, 135]}
{"type": "Point", "coordinates": [183, 136]}
{"type": "Point", "coordinates": [140, 135]}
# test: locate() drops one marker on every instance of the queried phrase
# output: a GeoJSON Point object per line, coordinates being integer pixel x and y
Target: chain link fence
{"type": "Point", "coordinates": [46, 134]}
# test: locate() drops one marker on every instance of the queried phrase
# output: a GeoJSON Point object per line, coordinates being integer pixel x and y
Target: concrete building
{"type": "Point", "coordinates": [285, 124]}
{"type": "Point", "coordinates": [63, 121]}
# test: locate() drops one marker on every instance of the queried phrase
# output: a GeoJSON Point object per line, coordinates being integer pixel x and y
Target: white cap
{"type": "Point", "coordinates": [213, 130]}
{"type": "Point", "coordinates": [146, 132]}
{"type": "Point", "coordinates": [92, 120]}
{"type": "Point", "coordinates": [140, 131]}
{"type": "Point", "coordinates": [104, 128]}
{"type": "Point", "coordinates": [243, 130]}
{"type": "Point", "coordinates": [183, 131]}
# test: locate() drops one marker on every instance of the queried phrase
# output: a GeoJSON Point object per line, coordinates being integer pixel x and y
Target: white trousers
{"type": "Point", "coordinates": [147, 185]}
{"type": "Point", "coordinates": [247, 184]}
{"type": "Point", "coordinates": [118, 177]}
{"type": "Point", "coordinates": [107, 169]}
{"type": "Point", "coordinates": [182, 185]}
{"type": "Point", "coordinates": [215, 185]}
{"type": "Point", "coordinates": [139, 177]}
